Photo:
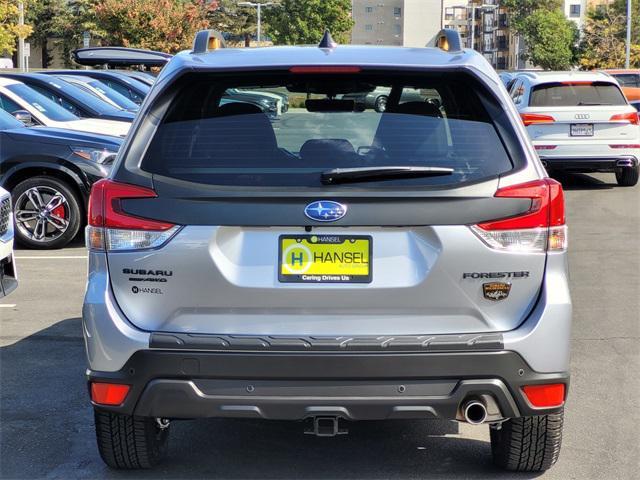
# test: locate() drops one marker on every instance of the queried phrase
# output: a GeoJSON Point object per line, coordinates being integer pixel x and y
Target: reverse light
{"type": "Point", "coordinates": [545, 396]}
{"type": "Point", "coordinates": [109, 393]}
{"type": "Point", "coordinates": [631, 117]}
{"type": "Point", "coordinates": [110, 228]}
{"type": "Point", "coordinates": [541, 228]}
{"type": "Point", "coordinates": [535, 118]}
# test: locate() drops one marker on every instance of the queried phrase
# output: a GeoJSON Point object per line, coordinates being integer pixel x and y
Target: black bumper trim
{"type": "Point", "coordinates": [589, 164]}
{"type": "Point", "coordinates": [180, 384]}
{"type": "Point", "coordinates": [416, 343]}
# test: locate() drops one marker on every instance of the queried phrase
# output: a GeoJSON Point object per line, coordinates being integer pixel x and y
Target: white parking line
{"type": "Point", "coordinates": [50, 257]}
{"type": "Point", "coordinates": [7, 305]}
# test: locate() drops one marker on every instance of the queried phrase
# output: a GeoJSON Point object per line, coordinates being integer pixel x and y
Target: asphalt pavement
{"type": "Point", "coordinates": [46, 425]}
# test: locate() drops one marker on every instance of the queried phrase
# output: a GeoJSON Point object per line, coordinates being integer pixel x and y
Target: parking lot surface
{"type": "Point", "coordinates": [46, 425]}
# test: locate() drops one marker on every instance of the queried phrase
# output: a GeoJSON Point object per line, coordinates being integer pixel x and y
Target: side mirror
{"type": "Point", "coordinates": [23, 116]}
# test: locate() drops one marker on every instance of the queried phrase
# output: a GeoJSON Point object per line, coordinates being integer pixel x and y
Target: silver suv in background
{"type": "Point", "coordinates": [8, 273]}
{"type": "Point", "coordinates": [333, 265]}
{"type": "Point", "coordinates": [580, 122]}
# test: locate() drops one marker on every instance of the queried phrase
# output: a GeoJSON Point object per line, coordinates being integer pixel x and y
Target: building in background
{"type": "Point", "coordinates": [408, 23]}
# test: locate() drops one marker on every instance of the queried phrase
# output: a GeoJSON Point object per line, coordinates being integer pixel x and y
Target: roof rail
{"type": "Point", "coordinates": [208, 40]}
{"type": "Point", "coordinates": [449, 40]}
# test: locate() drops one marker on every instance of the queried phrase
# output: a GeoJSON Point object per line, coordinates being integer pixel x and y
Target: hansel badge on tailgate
{"type": "Point", "coordinates": [496, 290]}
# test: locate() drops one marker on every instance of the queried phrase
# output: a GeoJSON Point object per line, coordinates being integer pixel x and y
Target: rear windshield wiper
{"type": "Point", "coordinates": [372, 174]}
{"type": "Point", "coordinates": [592, 104]}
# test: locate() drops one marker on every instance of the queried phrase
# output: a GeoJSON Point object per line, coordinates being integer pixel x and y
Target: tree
{"type": "Point", "coordinates": [300, 22]}
{"type": "Point", "coordinates": [520, 10]}
{"type": "Point", "coordinates": [10, 31]}
{"type": "Point", "coordinates": [603, 42]}
{"type": "Point", "coordinates": [46, 14]}
{"type": "Point", "coordinates": [238, 22]}
{"type": "Point", "coordinates": [165, 25]}
{"type": "Point", "coordinates": [551, 39]}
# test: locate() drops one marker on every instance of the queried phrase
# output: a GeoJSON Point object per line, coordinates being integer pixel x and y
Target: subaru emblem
{"type": "Point", "coordinates": [325, 211]}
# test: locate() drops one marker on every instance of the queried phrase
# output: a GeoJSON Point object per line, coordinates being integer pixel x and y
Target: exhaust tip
{"type": "Point", "coordinates": [625, 163]}
{"type": "Point", "coordinates": [474, 412]}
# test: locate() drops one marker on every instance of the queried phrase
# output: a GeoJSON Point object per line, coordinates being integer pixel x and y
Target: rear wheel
{"type": "Point", "coordinates": [381, 104]}
{"type": "Point", "coordinates": [47, 212]}
{"type": "Point", "coordinates": [628, 177]}
{"type": "Point", "coordinates": [128, 442]}
{"type": "Point", "coordinates": [527, 444]}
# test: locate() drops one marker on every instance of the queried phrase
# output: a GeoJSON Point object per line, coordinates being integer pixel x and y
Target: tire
{"type": "Point", "coordinates": [628, 177]}
{"type": "Point", "coordinates": [56, 227]}
{"type": "Point", "coordinates": [381, 104]}
{"type": "Point", "coordinates": [527, 444]}
{"type": "Point", "coordinates": [130, 443]}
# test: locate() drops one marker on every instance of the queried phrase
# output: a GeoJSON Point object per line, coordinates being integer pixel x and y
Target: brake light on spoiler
{"type": "Point", "coordinates": [541, 228]}
{"type": "Point", "coordinates": [110, 228]}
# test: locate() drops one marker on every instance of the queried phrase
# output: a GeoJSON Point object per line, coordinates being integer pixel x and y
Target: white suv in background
{"type": "Point", "coordinates": [580, 122]}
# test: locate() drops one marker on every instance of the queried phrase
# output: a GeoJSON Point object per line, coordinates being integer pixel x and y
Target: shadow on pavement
{"type": "Point", "coordinates": [46, 430]}
{"type": "Point", "coordinates": [582, 181]}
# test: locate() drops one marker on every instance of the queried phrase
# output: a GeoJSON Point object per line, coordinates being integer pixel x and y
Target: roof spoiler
{"type": "Point", "coordinates": [449, 40]}
{"type": "Point", "coordinates": [208, 40]}
{"type": "Point", "coordinates": [119, 56]}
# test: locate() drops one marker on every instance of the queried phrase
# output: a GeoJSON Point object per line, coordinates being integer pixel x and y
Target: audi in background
{"type": "Point", "coordinates": [580, 122]}
{"type": "Point", "coordinates": [49, 172]}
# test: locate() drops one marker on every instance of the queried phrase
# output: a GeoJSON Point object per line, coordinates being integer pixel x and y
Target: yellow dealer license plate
{"type": "Point", "coordinates": [325, 258]}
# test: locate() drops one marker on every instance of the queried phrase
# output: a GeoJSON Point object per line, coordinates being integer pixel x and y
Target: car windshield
{"type": "Point", "coordinates": [210, 136]}
{"type": "Point", "coordinates": [7, 121]}
{"type": "Point", "coordinates": [573, 94]}
{"type": "Point", "coordinates": [115, 97]}
{"type": "Point", "coordinates": [42, 104]}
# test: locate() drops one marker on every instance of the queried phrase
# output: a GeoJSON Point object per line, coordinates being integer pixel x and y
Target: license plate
{"type": "Point", "coordinates": [324, 258]}
{"type": "Point", "coordinates": [582, 129]}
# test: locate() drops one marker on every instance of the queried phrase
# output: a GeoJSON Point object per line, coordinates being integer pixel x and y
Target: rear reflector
{"type": "Point", "coordinates": [545, 396]}
{"type": "Point", "coordinates": [631, 117]}
{"type": "Point", "coordinates": [108, 393]}
{"type": "Point", "coordinates": [545, 147]}
{"type": "Point", "coordinates": [539, 229]}
{"type": "Point", "coordinates": [628, 145]}
{"type": "Point", "coordinates": [326, 69]}
{"type": "Point", "coordinates": [534, 118]}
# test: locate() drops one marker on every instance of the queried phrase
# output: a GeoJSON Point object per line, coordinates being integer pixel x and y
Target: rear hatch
{"type": "Point", "coordinates": [327, 221]}
{"type": "Point", "coordinates": [578, 112]}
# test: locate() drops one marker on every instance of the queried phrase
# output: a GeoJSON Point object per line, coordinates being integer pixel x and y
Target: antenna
{"type": "Point", "coordinates": [327, 41]}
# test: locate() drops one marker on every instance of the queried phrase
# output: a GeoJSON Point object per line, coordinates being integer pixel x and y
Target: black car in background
{"type": "Point", "coordinates": [124, 84]}
{"type": "Point", "coordinates": [71, 97]}
{"type": "Point", "coordinates": [49, 172]}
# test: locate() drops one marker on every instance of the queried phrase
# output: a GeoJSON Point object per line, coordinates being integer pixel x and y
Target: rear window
{"type": "Point", "coordinates": [576, 94]}
{"type": "Point", "coordinates": [287, 129]}
{"type": "Point", "coordinates": [628, 79]}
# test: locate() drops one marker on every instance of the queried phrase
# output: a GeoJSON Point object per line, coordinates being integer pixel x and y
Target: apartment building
{"type": "Point", "coordinates": [576, 10]}
{"type": "Point", "coordinates": [408, 23]}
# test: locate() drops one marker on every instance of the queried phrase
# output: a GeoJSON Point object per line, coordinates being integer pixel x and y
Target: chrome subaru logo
{"type": "Point", "coordinates": [325, 211]}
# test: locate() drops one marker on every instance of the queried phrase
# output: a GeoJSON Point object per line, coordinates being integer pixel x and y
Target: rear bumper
{"type": "Point", "coordinates": [294, 386]}
{"type": "Point", "coordinates": [589, 164]}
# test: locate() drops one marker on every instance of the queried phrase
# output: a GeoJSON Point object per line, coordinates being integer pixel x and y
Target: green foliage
{"type": "Point", "coordinates": [10, 31]}
{"type": "Point", "coordinates": [165, 25]}
{"type": "Point", "coordinates": [304, 22]}
{"type": "Point", "coordinates": [520, 10]}
{"type": "Point", "coordinates": [238, 22]}
{"type": "Point", "coordinates": [603, 42]}
{"type": "Point", "coordinates": [550, 39]}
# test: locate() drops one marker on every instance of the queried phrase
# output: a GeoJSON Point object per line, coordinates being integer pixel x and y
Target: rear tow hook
{"type": "Point", "coordinates": [326, 427]}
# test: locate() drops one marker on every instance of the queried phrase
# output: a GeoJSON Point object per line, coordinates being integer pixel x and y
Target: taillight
{"type": "Point", "coordinates": [541, 228]}
{"type": "Point", "coordinates": [534, 118]}
{"type": "Point", "coordinates": [631, 117]}
{"type": "Point", "coordinates": [112, 229]}
{"type": "Point", "coordinates": [545, 396]}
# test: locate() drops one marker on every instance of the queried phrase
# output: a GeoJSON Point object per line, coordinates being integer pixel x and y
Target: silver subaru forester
{"type": "Point", "coordinates": [329, 264]}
